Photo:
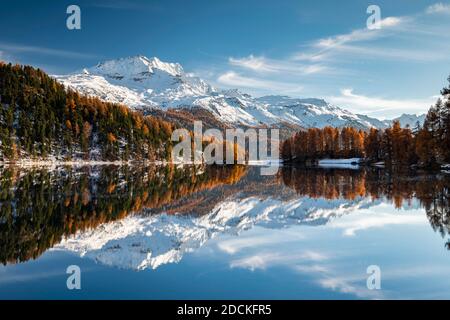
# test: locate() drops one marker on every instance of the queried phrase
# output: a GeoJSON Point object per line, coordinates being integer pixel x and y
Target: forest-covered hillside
{"type": "Point", "coordinates": [40, 119]}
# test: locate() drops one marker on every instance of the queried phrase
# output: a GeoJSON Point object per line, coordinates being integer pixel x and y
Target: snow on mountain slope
{"type": "Point", "coordinates": [314, 113]}
{"type": "Point", "coordinates": [144, 83]}
{"type": "Point", "coordinates": [410, 120]}
{"type": "Point", "coordinates": [142, 242]}
{"type": "Point", "coordinates": [138, 82]}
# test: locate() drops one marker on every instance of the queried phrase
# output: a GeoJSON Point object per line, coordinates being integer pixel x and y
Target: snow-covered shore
{"type": "Point", "coordinates": [340, 163]}
{"type": "Point", "coordinates": [50, 163]}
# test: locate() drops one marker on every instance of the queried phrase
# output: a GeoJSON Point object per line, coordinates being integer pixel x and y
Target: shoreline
{"type": "Point", "coordinates": [51, 163]}
{"type": "Point", "coordinates": [58, 163]}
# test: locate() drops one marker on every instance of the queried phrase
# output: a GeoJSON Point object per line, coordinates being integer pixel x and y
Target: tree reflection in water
{"type": "Point", "coordinates": [431, 190]}
{"type": "Point", "coordinates": [38, 207]}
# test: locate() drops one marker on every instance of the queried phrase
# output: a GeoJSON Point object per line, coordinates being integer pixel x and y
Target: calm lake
{"type": "Point", "coordinates": [209, 232]}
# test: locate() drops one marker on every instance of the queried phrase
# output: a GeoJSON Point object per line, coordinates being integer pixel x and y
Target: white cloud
{"type": "Point", "coordinates": [262, 65]}
{"type": "Point", "coordinates": [438, 8]}
{"type": "Point", "coordinates": [233, 79]}
{"type": "Point", "coordinates": [378, 222]}
{"type": "Point", "coordinates": [19, 48]}
{"type": "Point", "coordinates": [270, 259]}
{"type": "Point", "coordinates": [319, 266]}
{"type": "Point", "coordinates": [9, 276]}
{"type": "Point", "coordinates": [373, 105]}
{"type": "Point", "coordinates": [313, 57]}
{"type": "Point", "coordinates": [315, 268]}
{"type": "Point", "coordinates": [351, 51]}
{"type": "Point", "coordinates": [359, 43]}
{"type": "Point", "coordinates": [389, 22]}
{"type": "Point", "coordinates": [253, 63]}
{"type": "Point", "coordinates": [236, 245]}
{"type": "Point", "coordinates": [358, 34]}
{"type": "Point", "coordinates": [296, 67]}
{"type": "Point", "coordinates": [355, 44]}
{"type": "Point", "coordinates": [349, 285]}
{"type": "Point", "coordinates": [315, 68]}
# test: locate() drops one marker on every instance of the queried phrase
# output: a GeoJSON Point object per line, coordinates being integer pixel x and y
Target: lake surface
{"type": "Point", "coordinates": [212, 232]}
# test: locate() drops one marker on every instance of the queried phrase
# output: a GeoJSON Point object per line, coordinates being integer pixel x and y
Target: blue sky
{"type": "Point", "coordinates": [297, 48]}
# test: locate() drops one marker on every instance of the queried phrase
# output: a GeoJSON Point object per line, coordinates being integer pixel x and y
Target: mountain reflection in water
{"type": "Point", "coordinates": [143, 217]}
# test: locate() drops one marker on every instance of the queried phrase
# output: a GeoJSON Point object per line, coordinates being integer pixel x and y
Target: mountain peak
{"type": "Point", "coordinates": [133, 66]}
{"type": "Point", "coordinates": [143, 82]}
{"type": "Point", "coordinates": [410, 120]}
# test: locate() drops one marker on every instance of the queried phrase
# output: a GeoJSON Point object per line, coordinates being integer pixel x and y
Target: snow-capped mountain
{"type": "Point", "coordinates": [138, 82]}
{"type": "Point", "coordinates": [410, 120]}
{"type": "Point", "coordinates": [147, 84]}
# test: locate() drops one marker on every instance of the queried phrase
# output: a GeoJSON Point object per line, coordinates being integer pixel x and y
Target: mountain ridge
{"type": "Point", "coordinates": [149, 84]}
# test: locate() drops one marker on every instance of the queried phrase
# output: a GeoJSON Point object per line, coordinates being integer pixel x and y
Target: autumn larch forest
{"type": "Point", "coordinates": [41, 119]}
{"type": "Point", "coordinates": [426, 146]}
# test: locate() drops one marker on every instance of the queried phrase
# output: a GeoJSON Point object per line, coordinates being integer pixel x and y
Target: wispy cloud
{"type": "Point", "coordinates": [11, 276]}
{"type": "Point", "coordinates": [325, 49]}
{"type": "Point", "coordinates": [321, 267]}
{"type": "Point", "coordinates": [370, 51]}
{"type": "Point", "coordinates": [288, 74]}
{"type": "Point", "coordinates": [233, 79]}
{"type": "Point", "coordinates": [270, 259]}
{"type": "Point", "coordinates": [264, 65]}
{"type": "Point", "coordinates": [20, 48]}
{"type": "Point", "coordinates": [235, 245]}
{"type": "Point", "coordinates": [369, 220]}
{"type": "Point", "coordinates": [349, 284]}
{"type": "Point", "coordinates": [253, 63]}
{"type": "Point", "coordinates": [439, 8]}
{"type": "Point", "coordinates": [365, 44]}
{"type": "Point", "coordinates": [358, 35]}
{"type": "Point", "coordinates": [376, 105]}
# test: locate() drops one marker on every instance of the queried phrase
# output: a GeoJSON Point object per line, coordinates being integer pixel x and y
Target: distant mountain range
{"type": "Point", "coordinates": [410, 119]}
{"type": "Point", "coordinates": [151, 85]}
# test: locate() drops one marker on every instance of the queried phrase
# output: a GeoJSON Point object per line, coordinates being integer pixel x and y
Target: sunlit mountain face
{"type": "Point", "coordinates": [151, 85]}
{"type": "Point", "coordinates": [145, 218]}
